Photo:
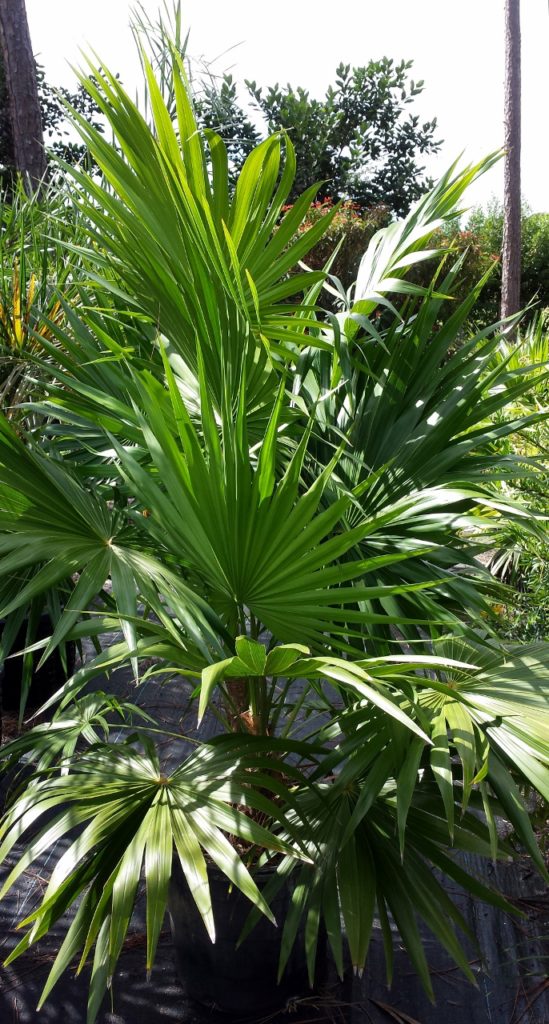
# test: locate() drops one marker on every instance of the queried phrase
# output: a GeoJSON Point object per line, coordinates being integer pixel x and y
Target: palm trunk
{"type": "Point", "coordinates": [239, 712]}
{"type": "Point", "coordinates": [510, 285]}
{"type": "Point", "coordinates": [29, 157]}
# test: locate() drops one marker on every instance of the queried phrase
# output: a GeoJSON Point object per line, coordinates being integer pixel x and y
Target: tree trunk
{"type": "Point", "coordinates": [510, 260]}
{"type": "Point", "coordinates": [24, 106]}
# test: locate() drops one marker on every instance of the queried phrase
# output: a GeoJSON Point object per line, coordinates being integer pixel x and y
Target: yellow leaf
{"type": "Point", "coordinates": [30, 294]}
{"type": "Point", "coordinates": [17, 326]}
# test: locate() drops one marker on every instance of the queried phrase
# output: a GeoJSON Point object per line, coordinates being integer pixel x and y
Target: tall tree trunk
{"type": "Point", "coordinates": [24, 105]}
{"type": "Point", "coordinates": [510, 260]}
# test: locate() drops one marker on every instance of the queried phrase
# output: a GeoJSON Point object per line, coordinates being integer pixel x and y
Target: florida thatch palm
{"type": "Point", "coordinates": [273, 498]}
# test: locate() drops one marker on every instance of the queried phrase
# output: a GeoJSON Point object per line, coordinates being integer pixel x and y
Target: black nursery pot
{"type": "Point", "coordinates": [240, 981]}
{"type": "Point", "coordinates": [45, 682]}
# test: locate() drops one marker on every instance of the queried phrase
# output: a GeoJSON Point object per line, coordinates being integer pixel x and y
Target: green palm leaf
{"type": "Point", "coordinates": [131, 816]}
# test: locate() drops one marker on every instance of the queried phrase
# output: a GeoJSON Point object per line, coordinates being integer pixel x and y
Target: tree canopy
{"type": "Point", "coordinates": [362, 139]}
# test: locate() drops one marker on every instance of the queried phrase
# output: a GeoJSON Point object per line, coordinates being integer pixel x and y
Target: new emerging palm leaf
{"type": "Point", "coordinates": [283, 512]}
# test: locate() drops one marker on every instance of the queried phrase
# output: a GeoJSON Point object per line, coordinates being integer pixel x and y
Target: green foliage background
{"type": "Point", "coordinates": [477, 236]}
{"type": "Point", "coordinates": [361, 139]}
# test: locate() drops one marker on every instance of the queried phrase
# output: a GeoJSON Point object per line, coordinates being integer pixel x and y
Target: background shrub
{"type": "Point", "coordinates": [352, 229]}
{"type": "Point", "coordinates": [480, 237]}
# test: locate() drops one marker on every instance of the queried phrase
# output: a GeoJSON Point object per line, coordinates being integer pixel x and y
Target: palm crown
{"type": "Point", "coordinates": [287, 507]}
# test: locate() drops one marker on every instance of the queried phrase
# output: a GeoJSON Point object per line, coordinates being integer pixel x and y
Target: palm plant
{"type": "Point", "coordinates": [287, 511]}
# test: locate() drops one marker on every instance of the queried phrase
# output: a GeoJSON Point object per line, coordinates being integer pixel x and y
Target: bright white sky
{"type": "Point", "coordinates": [457, 48]}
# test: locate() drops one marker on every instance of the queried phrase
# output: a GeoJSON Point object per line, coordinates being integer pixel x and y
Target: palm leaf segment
{"type": "Point", "coordinates": [132, 817]}
{"type": "Point", "coordinates": [424, 413]}
{"type": "Point", "coordinates": [52, 523]}
{"type": "Point", "coordinates": [246, 530]}
{"type": "Point", "coordinates": [210, 270]}
{"type": "Point", "coordinates": [397, 786]}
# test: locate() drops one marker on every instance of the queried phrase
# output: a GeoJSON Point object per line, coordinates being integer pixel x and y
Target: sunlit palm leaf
{"type": "Point", "coordinates": [131, 815]}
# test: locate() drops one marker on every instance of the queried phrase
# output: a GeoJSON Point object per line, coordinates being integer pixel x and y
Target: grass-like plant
{"type": "Point", "coordinates": [37, 268]}
{"type": "Point", "coordinates": [287, 509]}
